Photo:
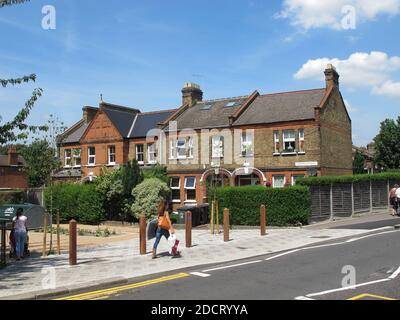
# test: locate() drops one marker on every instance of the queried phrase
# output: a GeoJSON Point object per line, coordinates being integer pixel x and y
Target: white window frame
{"type": "Point", "coordinates": [74, 156]}
{"type": "Point", "coordinates": [112, 163]}
{"type": "Point", "coordinates": [289, 140]}
{"type": "Point", "coordinates": [172, 149]}
{"type": "Point", "coordinates": [139, 153]}
{"type": "Point", "coordinates": [301, 141]}
{"type": "Point", "coordinates": [245, 142]}
{"type": "Point", "coordinates": [68, 158]}
{"type": "Point", "coordinates": [180, 147]}
{"type": "Point", "coordinates": [190, 148]}
{"type": "Point", "coordinates": [151, 153]}
{"type": "Point", "coordinates": [276, 176]}
{"type": "Point", "coordinates": [217, 147]}
{"type": "Point", "coordinates": [176, 188]}
{"type": "Point", "coordinates": [91, 156]}
{"type": "Point", "coordinates": [277, 142]}
{"type": "Point", "coordinates": [190, 188]}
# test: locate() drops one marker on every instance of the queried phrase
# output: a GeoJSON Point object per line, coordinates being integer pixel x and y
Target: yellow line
{"type": "Point", "coordinates": [111, 291]}
{"type": "Point", "coordinates": [367, 295]}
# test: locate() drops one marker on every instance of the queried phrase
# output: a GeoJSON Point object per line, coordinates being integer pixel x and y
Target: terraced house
{"type": "Point", "coordinates": [258, 139]}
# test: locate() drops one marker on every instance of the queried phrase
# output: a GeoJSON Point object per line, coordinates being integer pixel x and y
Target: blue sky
{"type": "Point", "coordinates": [140, 53]}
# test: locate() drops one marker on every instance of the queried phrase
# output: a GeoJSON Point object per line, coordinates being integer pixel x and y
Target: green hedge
{"type": "Point", "coordinates": [310, 181]}
{"type": "Point", "coordinates": [285, 207]}
{"type": "Point", "coordinates": [12, 197]}
{"type": "Point", "coordinates": [81, 202]}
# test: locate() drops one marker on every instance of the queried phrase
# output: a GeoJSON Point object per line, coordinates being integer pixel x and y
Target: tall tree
{"type": "Point", "coordinates": [387, 146]}
{"type": "Point", "coordinates": [17, 129]}
{"type": "Point", "coordinates": [359, 163]}
{"type": "Point", "coordinates": [40, 162]}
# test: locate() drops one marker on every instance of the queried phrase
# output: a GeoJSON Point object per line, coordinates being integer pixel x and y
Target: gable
{"type": "Point", "coordinates": [334, 110]}
{"type": "Point", "coordinates": [101, 129]}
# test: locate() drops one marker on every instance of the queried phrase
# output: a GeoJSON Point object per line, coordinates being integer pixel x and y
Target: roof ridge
{"type": "Point", "coordinates": [118, 107]}
{"type": "Point", "coordinates": [156, 112]}
{"type": "Point", "coordinates": [223, 99]}
{"type": "Point", "coordinates": [291, 92]}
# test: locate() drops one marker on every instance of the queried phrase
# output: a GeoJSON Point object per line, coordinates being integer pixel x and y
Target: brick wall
{"type": "Point", "coordinates": [13, 178]}
{"type": "Point", "coordinates": [336, 134]}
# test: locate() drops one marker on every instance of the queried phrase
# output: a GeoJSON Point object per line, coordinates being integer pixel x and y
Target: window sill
{"type": "Point", "coordinates": [302, 153]}
{"type": "Point", "coordinates": [289, 153]}
{"type": "Point", "coordinates": [176, 201]}
{"type": "Point", "coordinates": [191, 202]}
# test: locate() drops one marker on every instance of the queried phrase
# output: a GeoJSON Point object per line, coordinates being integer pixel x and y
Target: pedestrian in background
{"type": "Point", "coordinates": [164, 226]}
{"type": "Point", "coordinates": [19, 226]}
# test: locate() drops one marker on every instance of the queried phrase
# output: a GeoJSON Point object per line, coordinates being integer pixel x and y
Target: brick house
{"type": "Point", "coordinates": [12, 175]}
{"type": "Point", "coordinates": [249, 140]}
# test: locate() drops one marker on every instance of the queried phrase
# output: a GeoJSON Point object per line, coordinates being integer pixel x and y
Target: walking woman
{"type": "Point", "coordinates": [164, 226]}
{"type": "Point", "coordinates": [19, 226]}
{"type": "Point", "coordinates": [393, 199]}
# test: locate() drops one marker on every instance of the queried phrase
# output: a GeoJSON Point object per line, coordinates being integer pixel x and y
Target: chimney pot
{"type": "Point", "coordinates": [12, 156]}
{"type": "Point", "coordinates": [331, 76]}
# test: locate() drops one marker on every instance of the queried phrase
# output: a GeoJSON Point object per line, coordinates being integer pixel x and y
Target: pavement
{"type": "Point", "coordinates": [119, 263]}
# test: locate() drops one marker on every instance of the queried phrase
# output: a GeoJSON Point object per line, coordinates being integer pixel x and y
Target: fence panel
{"type": "Point", "coordinates": [362, 197]}
{"type": "Point", "coordinates": [320, 202]}
{"type": "Point", "coordinates": [379, 194]}
{"type": "Point", "coordinates": [342, 201]}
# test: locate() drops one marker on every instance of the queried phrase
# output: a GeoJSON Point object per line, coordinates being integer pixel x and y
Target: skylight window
{"type": "Point", "coordinates": [230, 104]}
{"type": "Point", "coordinates": [206, 107]}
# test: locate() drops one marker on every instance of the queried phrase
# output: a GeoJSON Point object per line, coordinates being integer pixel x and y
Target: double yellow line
{"type": "Point", "coordinates": [94, 295]}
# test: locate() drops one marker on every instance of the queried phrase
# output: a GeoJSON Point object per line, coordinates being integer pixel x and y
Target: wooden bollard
{"type": "Point", "coordinates": [263, 218]}
{"type": "Point", "coordinates": [142, 235]}
{"type": "Point", "coordinates": [58, 233]}
{"type": "Point", "coordinates": [45, 223]}
{"type": "Point", "coordinates": [188, 231]}
{"type": "Point", "coordinates": [72, 242]}
{"type": "Point", "coordinates": [226, 225]}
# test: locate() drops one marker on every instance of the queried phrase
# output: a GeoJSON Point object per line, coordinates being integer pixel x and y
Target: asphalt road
{"type": "Point", "coordinates": [310, 273]}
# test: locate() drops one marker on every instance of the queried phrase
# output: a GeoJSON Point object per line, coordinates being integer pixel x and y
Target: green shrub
{"type": "Point", "coordinates": [390, 175]}
{"type": "Point", "coordinates": [75, 201]}
{"type": "Point", "coordinates": [12, 197]}
{"type": "Point", "coordinates": [148, 195]}
{"type": "Point", "coordinates": [285, 207]}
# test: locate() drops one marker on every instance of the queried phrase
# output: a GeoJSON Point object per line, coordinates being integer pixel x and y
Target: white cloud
{"type": "Point", "coordinates": [360, 70]}
{"type": "Point", "coordinates": [389, 88]}
{"type": "Point", "coordinates": [309, 14]}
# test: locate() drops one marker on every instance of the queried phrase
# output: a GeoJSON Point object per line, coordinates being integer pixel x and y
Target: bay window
{"type": "Point", "coordinates": [301, 141]}
{"type": "Point", "coordinates": [217, 147]}
{"type": "Point", "coordinates": [77, 161]}
{"type": "Point", "coordinates": [67, 158]}
{"type": "Point", "coordinates": [277, 142]}
{"type": "Point", "coordinates": [289, 141]}
{"type": "Point", "coordinates": [247, 144]}
{"type": "Point", "coordinates": [151, 153]}
{"type": "Point", "coordinates": [140, 154]}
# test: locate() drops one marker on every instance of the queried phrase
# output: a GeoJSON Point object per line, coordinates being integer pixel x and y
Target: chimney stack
{"type": "Point", "coordinates": [331, 76]}
{"type": "Point", "coordinates": [191, 94]}
{"type": "Point", "coordinates": [89, 114]}
{"type": "Point", "coordinates": [12, 156]}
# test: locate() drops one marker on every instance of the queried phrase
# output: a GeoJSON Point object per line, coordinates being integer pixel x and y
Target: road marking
{"type": "Point", "coordinates": [282, 254]}
{"type": "Point", "coordinates": [395, 274]}
{"type": "Point", "coordinates": [111, 291]}
{"type": "Point", "coordinates": [346, 288]}
{"type": "Point", "coordinates": [304, 298]}
{"type": "Point", "coordinates": [367, 295]}
{"type": "Point", "coordinates": [233, 266]}
{"type": "Point", "coordinates": [370, 235]}
{"type": "Point", "coordinates": [199, 274]}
